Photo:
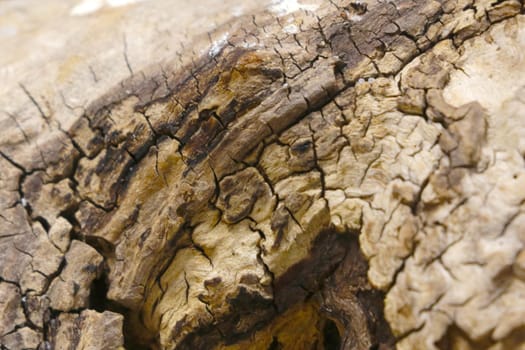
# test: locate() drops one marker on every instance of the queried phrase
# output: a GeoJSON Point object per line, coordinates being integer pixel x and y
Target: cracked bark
{"type": "Point", "coordinates": [296, 175]}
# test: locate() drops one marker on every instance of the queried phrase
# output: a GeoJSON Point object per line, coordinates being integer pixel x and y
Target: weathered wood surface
{"type": "Point", "coordinates": [262, 175]}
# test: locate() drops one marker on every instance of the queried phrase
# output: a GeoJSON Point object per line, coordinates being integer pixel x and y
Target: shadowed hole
{"type": "Point", "coordinates": [331, 337]}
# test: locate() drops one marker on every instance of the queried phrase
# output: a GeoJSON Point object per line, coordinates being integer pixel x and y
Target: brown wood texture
{"type": "Point", "coordinates": [262, 175]}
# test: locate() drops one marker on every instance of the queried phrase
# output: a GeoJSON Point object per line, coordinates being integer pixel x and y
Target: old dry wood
{"type": "Point", "coordinates": [233, 175]}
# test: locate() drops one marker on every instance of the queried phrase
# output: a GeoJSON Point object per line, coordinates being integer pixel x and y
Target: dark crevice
{"type": "Point", "coordinates": [98, 301]}
{"type": "Point", "coordinates": [275, 345]}
{"type": "Point", "coordinates": [69, 215]}
{"type": "Point", "coordinates": [331, 336]}
{"type": "Point", "coordinates": [97, 295]}
{"type": "Point", "coordinates": [43, 222]}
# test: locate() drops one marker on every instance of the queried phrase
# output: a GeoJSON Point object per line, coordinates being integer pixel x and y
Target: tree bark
{"type": "Point", "coordinates": [266, 175]}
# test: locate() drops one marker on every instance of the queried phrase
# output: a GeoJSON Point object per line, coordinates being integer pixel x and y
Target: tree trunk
{"type": "Point", "coordinates": [262, 175]}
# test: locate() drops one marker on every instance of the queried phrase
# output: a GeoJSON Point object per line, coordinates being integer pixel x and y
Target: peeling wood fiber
{"type": "Point", "coordinates": [332, 174]}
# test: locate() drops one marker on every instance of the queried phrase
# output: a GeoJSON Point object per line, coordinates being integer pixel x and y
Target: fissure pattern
{"type": "Point", "coordinates": [304, 169]}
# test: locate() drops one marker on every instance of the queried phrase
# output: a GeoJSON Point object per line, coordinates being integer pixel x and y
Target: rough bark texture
{"type": "Point", "coordinates": [227, 175]}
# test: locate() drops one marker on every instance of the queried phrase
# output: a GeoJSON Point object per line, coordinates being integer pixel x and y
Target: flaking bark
{"type": "Point", "coordinates": [321, 175]}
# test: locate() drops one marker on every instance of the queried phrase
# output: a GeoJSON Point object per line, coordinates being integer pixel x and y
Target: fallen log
{"type": "Point", "coordinates": [231, 175]}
